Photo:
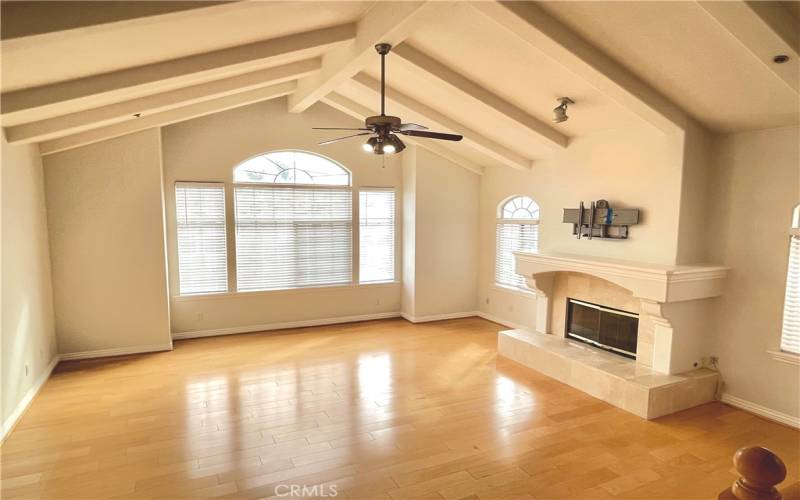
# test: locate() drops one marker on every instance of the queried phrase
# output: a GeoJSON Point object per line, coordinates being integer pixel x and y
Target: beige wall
{"type": "Point", "coordinates": [207, 149]}
{"type": "Point", "coordinates": [442, 263]}
{"type": "Point", "coordinates": [634, 168]}
{"type": "Point", "coordinates": [105, 213]}
{"type": "Point", "coordinates": [755, 186]}
{"type": "Point", "coordinates": [28, 336]}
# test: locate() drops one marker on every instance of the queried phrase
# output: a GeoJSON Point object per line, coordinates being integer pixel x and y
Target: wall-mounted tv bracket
{"type": "Point", "coordinates": [601, 221]}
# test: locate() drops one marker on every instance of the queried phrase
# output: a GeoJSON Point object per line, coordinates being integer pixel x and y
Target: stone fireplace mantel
{"type": "Point", "coordinates": [652, 282]}
{"type": "Point", "coordinates": [671, 320]}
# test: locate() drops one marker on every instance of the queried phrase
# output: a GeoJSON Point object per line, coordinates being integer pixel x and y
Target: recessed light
{"type": "Point", "coordinates": [780, 59]}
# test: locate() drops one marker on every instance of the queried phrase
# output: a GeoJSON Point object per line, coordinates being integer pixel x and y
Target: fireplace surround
{"type": "Point", "coordinates": [673, 305]}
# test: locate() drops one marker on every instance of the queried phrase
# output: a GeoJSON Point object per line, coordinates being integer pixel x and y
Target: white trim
{"type": "Point", "coordinates": [785, 357]}
{"type": "Point", "coordinates": [10, 422]}
{"type": "Point", "coordinates": [282, 326]}
{"type": "Point", "coordinates": [501, 321]}
{"type": "Point", "coordinates": [284, 291]}
{"type": "Point", "coordinates": [116, 351]}
{"type": "Point", "coordinates": [528, 294]}
{"type": "Point", "coordinates": [438, 317]}
{"type": "Point", "coordinates": [761, 411]}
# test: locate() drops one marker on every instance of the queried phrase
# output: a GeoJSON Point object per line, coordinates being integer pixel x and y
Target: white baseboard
{"type": "Point", "coordinates": [11, 421]}
{"type": "Point", "coordinates": [500, 321]}
{"type": "Point", "coordinates": [116, 351]}
{"type": "Point", "coordinates": [761, 411]}
{"type": "Point", "coordinates": [282, 326]}
{"type": "Point", "coordinates": [438, 317]}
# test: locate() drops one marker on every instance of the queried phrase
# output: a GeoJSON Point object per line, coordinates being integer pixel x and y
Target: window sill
{"type": "Point", "coordinates": [515, 291]}
{"type": "Point", "coordinates": [287, 291]}
{"type": "Point", "coordinates": [785, 357]}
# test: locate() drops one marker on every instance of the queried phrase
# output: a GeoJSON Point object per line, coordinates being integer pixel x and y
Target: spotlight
{"type": "Point", "coordinates": [560, 111]}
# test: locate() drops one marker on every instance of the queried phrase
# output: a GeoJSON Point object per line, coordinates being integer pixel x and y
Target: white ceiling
{"type": "Point", "coordinates": [626, 59]}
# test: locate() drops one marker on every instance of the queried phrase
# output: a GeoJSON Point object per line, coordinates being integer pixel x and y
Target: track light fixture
{"type": "Point", "coordinates": [560, 111]}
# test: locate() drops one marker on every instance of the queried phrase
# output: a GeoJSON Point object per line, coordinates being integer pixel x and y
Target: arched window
{"type": "Point", "coordinates": [291, 167]}
{"type": "Point", "coordinates": [790, 336]}
{"type": "Point", "coordinates": [294, 222]}
{"type": "Point", "coordinates": [517, 229]}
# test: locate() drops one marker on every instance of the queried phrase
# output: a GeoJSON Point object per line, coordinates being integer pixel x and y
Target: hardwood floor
{"type": "Point", "coordinates": [378, 410]}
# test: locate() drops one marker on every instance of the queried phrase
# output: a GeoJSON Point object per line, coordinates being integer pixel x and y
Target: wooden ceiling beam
{"type": "Point", "coordinates": [548, 35]}
{"type": "Point", "coordinates": [61, 98]}
{"type": "Point", "coordinates": [356, 110]}
{"type": "Point", "coordinates": [73, 123]}
{"type": "Point", "coordinates": [167, 117]}
{"type": "Point", "coordinates": [765, 29]}
{"type": "Point", "coordinates": [389, 22]}
{"type": "Point", "coordinates": [455, 81]}
{"type": "Point", "coordinates": [436, 120]}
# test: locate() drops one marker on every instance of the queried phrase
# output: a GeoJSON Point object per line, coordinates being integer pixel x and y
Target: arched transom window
{"type": "Point", "coordinates": [291, 167]}
{"type": "Point", "coordinates": [790, 337]}
{"type": "Point", "coordinates": [517, 230]}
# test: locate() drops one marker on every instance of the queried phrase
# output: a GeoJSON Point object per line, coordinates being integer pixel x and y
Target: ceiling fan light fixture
{"type": "Point", "coordinates": [560, 111]}
{"type": "Point", "coordinates": [393, 144]}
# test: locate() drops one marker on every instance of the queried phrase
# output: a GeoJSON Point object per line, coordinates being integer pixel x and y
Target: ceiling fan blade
{"type": "Point", "coordinates": [432, 135]}
{"type": "Point", "coordinates": [412, 126]}
{"type": "Point", "coordinates": [343, 138]}
{"type": "Point", "coordinates": [339, 128]}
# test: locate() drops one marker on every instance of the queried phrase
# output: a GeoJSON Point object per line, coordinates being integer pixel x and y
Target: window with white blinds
{"type": "Point", "coordinates": [790, 337]}
{"type": "Point", "coordinates": [202, 252]}
{"type": "Point", "coordinates": [376, 235]}
{"type": "Point", "coordinates": [293, 237]}
{"type": "Point", "coordinates": [517, 230]}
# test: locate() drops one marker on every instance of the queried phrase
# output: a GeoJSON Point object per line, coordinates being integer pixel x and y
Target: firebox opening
{"type": "Point", "coordinates": [610, 329]}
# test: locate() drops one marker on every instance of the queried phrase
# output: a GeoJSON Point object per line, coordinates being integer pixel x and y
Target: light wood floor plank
{"type": "Point", "coordinates": [380, 410]}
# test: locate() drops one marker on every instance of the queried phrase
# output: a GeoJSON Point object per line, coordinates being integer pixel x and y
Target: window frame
{"type": "Point", "coordinates": [504, 221]}
{"type": "Point", "coordinates": [782, 354]}
{"type": "Point", "coordinates": [395, 219]}
{"type": "Point", "coordinates": [234, 261]}
{"type": "Point", "coordinates": [215, 184]}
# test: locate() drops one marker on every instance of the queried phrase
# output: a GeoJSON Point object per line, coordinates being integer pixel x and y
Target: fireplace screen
{"type": "Point", "coordinates": [610, 329]}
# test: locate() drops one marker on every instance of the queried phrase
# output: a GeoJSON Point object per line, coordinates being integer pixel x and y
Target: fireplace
{"type": "Point", "coordinates": [604, 327]}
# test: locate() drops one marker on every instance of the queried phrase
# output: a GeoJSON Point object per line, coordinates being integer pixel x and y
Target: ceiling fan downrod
{"type": "Point", "coordinates": [383, 49]}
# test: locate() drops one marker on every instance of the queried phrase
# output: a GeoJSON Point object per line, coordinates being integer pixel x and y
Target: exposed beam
{"type": "Point", "coordinates": [437, 120]}
{"type": "Point", "coordinates": [73, 123]}
{"type": "Point", "coordinates": [542, 31]}
{"type": "Point", "coordinates": [389, 22]}
{"type": "Point", "coordinates": [455, 81]}
{"type": "Point", "coordinates": [84, 93]}
{"type": "Point", "coordinates": [167, 117]}
{"type": "Point", "coordinates": [356, 110]}
{"type": "Point", "coordinates": [765, 29]}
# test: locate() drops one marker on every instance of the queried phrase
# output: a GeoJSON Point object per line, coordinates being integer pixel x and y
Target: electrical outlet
{"type": "Point", "coordinates": [377, 301]}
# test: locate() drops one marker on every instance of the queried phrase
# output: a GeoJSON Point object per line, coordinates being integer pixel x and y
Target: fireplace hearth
{"type": "Point", "coordinates": [610, 329]}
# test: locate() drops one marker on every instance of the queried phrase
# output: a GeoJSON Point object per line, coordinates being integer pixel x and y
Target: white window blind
{"type": "Point", "coordinates": [513, 237]}
{"type": "Point", "coordinates": [376, 235]}
{"type": "Point", "coordinates": [517, 229]}
{"type": "Point", "coordinates": [292, 237]}
{"type": "Point", "coordinates": [790, 338]}
{"type": "Point", "coordinates": [202, 252]}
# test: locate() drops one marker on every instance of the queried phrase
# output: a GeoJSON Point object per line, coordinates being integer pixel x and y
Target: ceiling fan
{"type": "Point", "coordinates": [384, 128]}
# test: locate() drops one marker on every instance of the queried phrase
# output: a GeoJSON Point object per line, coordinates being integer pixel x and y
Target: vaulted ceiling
{"type": "Point", "coordinates": [74, 73]}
